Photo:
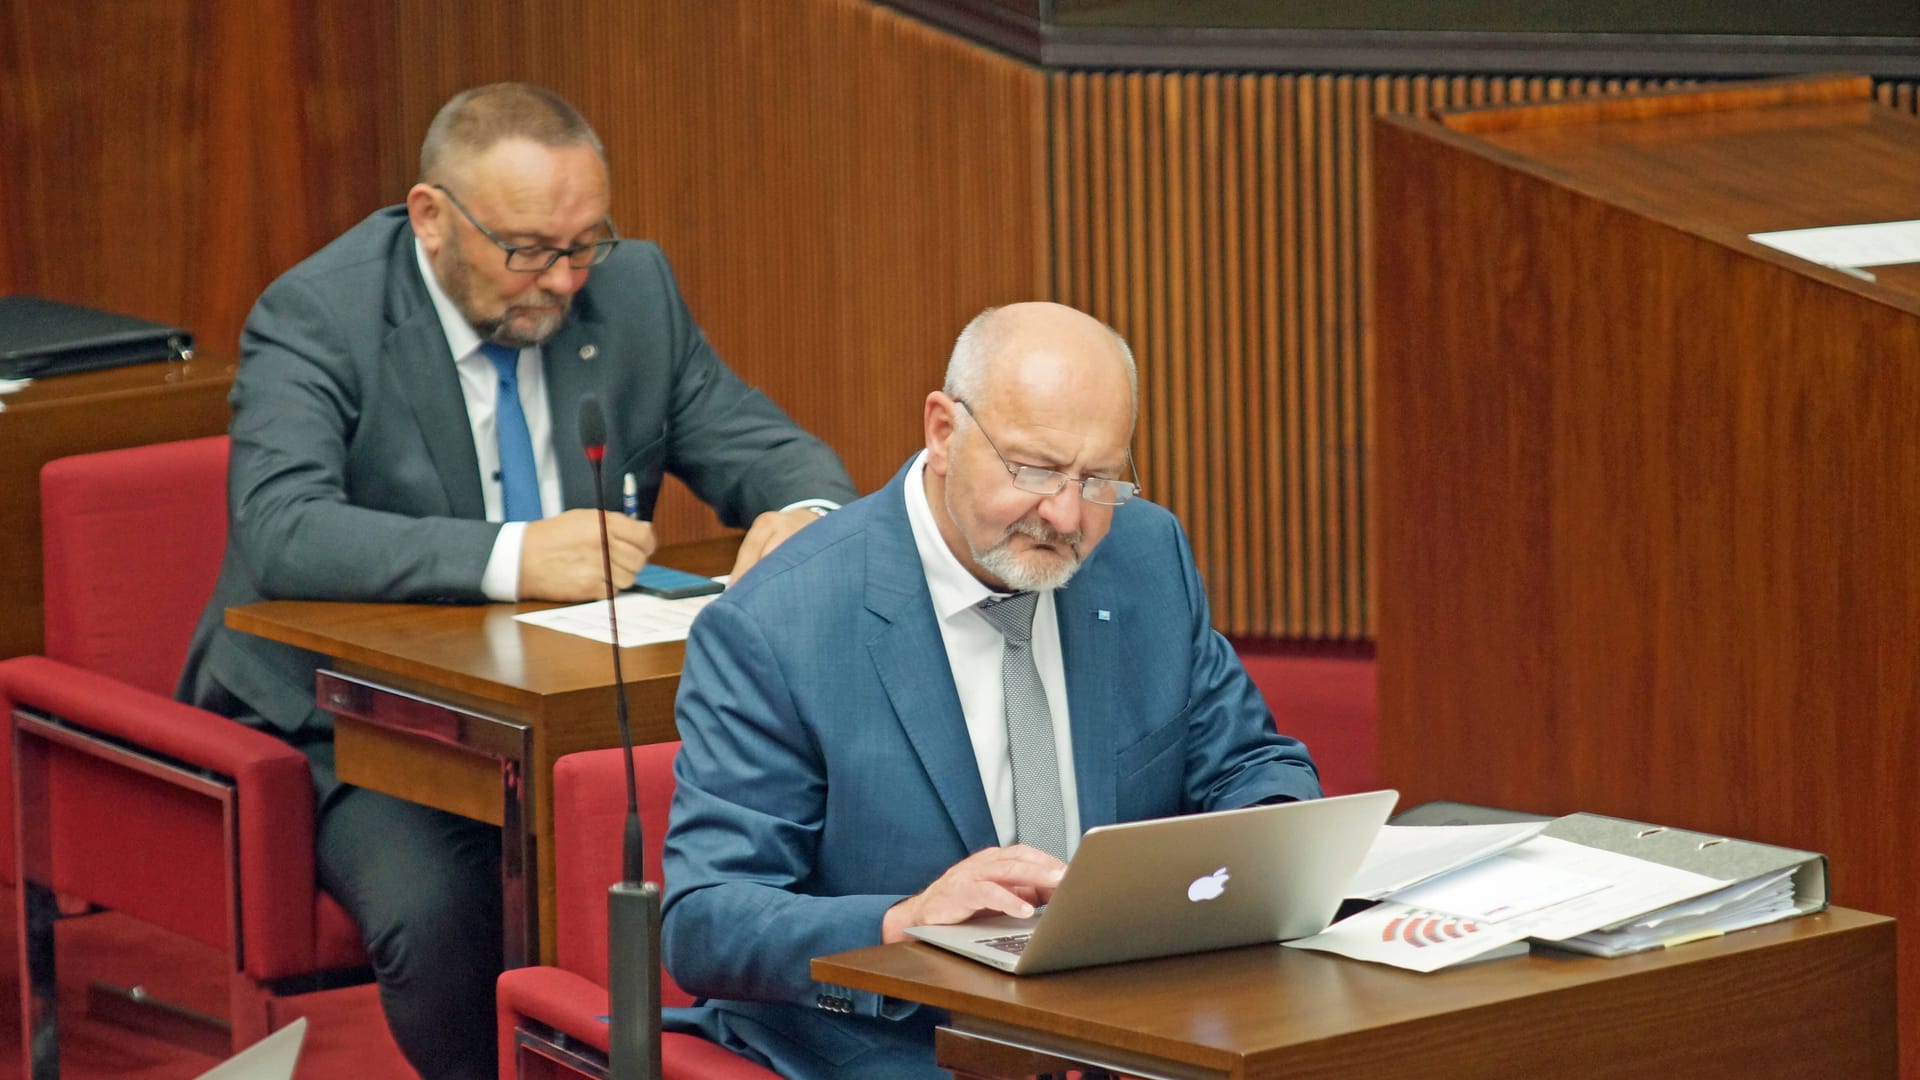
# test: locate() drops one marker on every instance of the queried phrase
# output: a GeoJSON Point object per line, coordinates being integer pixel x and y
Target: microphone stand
{"type": "Point", "coordinates": [633, 905]}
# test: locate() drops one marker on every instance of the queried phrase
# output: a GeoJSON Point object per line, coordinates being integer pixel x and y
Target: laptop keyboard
{"type": "Point", "coordinates": [1012, 943]}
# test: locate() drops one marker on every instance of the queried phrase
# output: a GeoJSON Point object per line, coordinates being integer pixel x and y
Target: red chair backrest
{"type": "Point", "coordinates": [589, 819]}
{"type": "Point", "coordinates": [133, 540]}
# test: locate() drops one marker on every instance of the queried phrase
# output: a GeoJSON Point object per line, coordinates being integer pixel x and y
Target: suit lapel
{"type": "Point", "coordinates": [571, 359]}
{"type": "Point", "coordinates": [416, 356]}
{"type": "Point", "coordinates": [1090, 640]}
{"type": "Point", "coordinates": [905, 654]}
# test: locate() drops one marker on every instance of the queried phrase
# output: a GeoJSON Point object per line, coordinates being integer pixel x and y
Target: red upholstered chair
{"type": "Point", "coordinates": [130, 800]}
{"type": "Point", "coordinates": [552, 1018]}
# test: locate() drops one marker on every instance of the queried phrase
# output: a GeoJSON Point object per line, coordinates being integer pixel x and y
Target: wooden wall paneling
{"type": "Point", "coordinates": [1645, 545]}
{"type": "Point", "coordinates": [839, 187]}
{"type": "Point", "coordinates": [169, 159]}
{"type": "Point", "coordinates": [1241, 297]}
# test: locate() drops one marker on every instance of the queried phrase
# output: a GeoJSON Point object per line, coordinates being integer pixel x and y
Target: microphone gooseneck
{"type": "Point", "coordinates": [593, 441]}
{"type": "Point", "coordinates": [633, 905]}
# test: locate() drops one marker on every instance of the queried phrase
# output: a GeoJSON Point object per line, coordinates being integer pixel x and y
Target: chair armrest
{"type": "Point", "coordinates": [272, 783]}
{"type": "Point", "coordinates": [567, 1003]}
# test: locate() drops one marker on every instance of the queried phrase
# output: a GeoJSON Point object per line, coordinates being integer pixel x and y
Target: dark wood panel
{"type": "Point", "coordinates": [1643, 486]}
{"type": "Point", "coordinates": [168, 159]}
{"type": "Point", "coordinates": [1652, 40]}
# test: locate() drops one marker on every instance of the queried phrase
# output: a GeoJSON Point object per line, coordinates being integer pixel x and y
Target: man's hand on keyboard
{"type": "Point", "coordinates": [1007, 881]}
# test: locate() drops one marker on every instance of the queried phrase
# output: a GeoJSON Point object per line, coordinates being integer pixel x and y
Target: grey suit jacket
{"type": "Point", "coordinates": [826, 771]}
{"type": "Point", "coordinates": [353, 472]}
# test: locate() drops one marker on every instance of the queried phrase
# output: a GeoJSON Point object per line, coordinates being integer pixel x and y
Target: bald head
{"type": "Point", "coordinates": [1038, 348]}
{"type": "Point", "coordinates": [1038, 402]}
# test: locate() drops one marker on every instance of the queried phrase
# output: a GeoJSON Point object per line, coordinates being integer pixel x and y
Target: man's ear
{"type": "Point", "coordinates": [425, 213]}
{"type": "Point", "coordinates": [938, 419]}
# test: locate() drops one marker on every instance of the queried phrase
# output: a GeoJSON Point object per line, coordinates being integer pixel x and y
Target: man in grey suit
{"type": "Point", "coordinates": [907, 753]}
{"type": "Point", "coordinates": [405, 428]}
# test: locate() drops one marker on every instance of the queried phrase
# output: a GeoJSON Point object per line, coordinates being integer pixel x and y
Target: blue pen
{"type": "Point", "coordinates": [630, 498]}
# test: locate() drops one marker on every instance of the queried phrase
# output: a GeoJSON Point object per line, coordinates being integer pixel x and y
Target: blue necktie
{"type": "Point", "coordinates": [519, 481]}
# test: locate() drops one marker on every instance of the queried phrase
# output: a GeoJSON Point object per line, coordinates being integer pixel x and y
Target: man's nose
{"type": "Point", "coordinates": [1062, 509]}
{"type": "Point", "coordinates": [562, 278]}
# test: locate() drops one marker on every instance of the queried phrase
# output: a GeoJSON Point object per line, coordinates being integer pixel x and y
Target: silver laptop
{"type": "Point", "coordinates": [1185, 884]}
{"type": "Point", "coordinates": [272, 1058]}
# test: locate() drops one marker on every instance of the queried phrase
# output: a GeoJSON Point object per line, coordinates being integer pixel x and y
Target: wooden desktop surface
{"type": "Point", "coordinates": [1812, 996]}
{"type": "Point", "coordinates": [477, 658]}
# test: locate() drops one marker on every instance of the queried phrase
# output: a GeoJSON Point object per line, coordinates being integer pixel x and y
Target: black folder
{"type": "Point", "coordinates": [40, 338]}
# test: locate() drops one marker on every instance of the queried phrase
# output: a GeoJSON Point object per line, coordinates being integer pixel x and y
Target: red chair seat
{"type": "Point", "coordinates": [133, 801]}
{"type": "Point", "coordinates": [570, 1000]}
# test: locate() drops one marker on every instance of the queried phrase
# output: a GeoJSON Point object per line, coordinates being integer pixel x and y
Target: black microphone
{"type": "Point", "coordinates": [633, 905]}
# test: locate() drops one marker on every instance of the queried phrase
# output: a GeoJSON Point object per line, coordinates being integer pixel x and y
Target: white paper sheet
{"type": "Point", "coordinates": [1500, 888]}
{"type": "Point", "coordinates": [1405, 855]}
{"type": "Point", "coordinates": [1844, 246]}
{"type": "Point", "coordinates": [644, 620]}
{"type": "Point", "coordinates": [1421, 939]}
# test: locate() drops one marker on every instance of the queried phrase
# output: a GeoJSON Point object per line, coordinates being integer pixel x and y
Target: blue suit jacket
{"type": "Point", "coordinates": [826, 771]}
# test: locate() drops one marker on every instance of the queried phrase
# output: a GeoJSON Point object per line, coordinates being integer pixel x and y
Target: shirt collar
{"type": "Point", "coordinates": [462, 338]}
{"type": "Point", "coordinates": [952, 587]}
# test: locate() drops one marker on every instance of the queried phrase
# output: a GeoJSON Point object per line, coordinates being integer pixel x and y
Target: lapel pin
{"type": "Point", "coordinates": [1105, 615]}
{"type": "Point", "coordinates": [589, 351]}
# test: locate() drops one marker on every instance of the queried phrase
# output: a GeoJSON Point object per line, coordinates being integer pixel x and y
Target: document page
{"type": "Point", "coordinates": [1878, 244]}
{"type": "Point", "coordinates": [644, 620]}
{"type": "Point", "coordinates": [1405, 855]}
{"type": "Point", "coordinates": [1420, 938]}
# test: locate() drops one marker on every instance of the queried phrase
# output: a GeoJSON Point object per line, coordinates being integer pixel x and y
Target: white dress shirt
{"type": "Point", "coordinates": [480, 385]}
{"type": "Point", "coordinates": [973, 654]}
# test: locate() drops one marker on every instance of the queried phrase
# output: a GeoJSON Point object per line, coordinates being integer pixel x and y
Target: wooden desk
{"type": "Point", "coordinates": [462, 708]}
{"type": "Point", "coordinates": [1808, 997]}
{"type": "Point", "coordinates": [78, 414]}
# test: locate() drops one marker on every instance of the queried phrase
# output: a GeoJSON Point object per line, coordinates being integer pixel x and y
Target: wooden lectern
{"type": "Point", "coordinates": [1648, 492]}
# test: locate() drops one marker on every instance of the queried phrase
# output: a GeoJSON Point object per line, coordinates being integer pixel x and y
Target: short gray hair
{"type": "Point", "coordinates": [978, 342]}
{"type": "Point", "coordinates": [474, 120]}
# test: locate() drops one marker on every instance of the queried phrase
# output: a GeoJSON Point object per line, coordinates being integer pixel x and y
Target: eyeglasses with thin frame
{"type": "Point", "coordinates": [535, 258]}
{"type": "Point", "coordinates": [1038, 481]}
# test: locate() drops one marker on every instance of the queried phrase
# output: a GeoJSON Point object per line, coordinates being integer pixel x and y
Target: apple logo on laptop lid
{"type": "Point", "coordinates": [1209, 886]}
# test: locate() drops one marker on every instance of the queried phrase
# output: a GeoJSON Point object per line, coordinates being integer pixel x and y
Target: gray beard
{"type": "Point", "coordinates": [457, 282]}
{"type": "Point", "coordinates": [499, 332]}
{"type": "Point", "coordinates": [1000, 561]}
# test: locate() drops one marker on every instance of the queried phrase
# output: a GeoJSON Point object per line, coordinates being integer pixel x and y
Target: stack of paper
{"type": "Point", "coordinates": [1590, 883]}
{"type": "Point", "coordinates": [1736, 907]}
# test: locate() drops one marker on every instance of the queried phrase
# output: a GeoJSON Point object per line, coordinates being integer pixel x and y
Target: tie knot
{"type": "Point", "coordinates": [506, 361]}
{"type": "Point", "coordinates": [1011, 615]}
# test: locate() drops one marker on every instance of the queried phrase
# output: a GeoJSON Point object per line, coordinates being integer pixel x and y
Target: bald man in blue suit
{"type": "Point", "coordinates": [846, 768]}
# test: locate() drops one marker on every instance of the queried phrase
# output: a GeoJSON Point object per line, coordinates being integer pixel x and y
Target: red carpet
{"type": "Point", "coordinates": [1323, 695]}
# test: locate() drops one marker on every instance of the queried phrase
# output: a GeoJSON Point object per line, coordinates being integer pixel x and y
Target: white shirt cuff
{"type": "Point", "coordinates": [501, 581]}
{"type": "Point", "coordinates": [809, 504]}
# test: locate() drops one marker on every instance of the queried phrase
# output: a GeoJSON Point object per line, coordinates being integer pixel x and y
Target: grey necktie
{"type": "Point", "coordinates": [1039, 818]}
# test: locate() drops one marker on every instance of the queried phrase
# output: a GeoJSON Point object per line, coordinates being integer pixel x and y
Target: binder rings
{"type": "Point", "coordinates": [41, 338]}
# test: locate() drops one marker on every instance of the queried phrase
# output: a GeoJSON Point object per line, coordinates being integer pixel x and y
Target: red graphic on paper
{"type": "Point", "coordinates": [1423, 928]}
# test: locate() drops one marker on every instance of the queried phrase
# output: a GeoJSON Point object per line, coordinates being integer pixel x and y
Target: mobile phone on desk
{"type": "Point", "coordinates": [671, 584]}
